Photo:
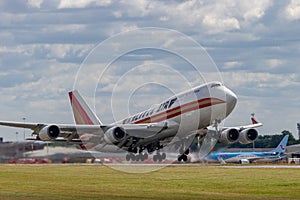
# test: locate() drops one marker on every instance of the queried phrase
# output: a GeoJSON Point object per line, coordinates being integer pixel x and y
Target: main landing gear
{"type": "Point", "coordinates": [136, 154]}
{"type": "Point", "coordinates": [136, 157]}
{"type": "Point", "coordinates": [158, 157]}
{"type": "Point", "coordinates": [183, 155]}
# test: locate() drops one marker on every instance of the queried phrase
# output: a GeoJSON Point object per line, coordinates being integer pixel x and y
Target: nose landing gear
{"type": "Point", "coordinates": [183, 155]}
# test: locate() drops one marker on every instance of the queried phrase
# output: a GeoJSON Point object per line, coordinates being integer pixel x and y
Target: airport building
{"type": "Point", "coordinates": [9, 150]}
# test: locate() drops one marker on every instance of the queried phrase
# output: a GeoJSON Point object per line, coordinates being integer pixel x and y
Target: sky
{"type": "Point", "coordinates": [253, 48]}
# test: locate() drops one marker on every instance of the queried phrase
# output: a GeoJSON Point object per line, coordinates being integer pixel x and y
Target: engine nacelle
{"type": "Point", "coordinates": [229, 136]}
{"type": "Point", "coordinates": [114, 135]}
{"type": "Point", "coordinates": [248, 135]}
{"type": "Point", "coordinates": [50, 132]}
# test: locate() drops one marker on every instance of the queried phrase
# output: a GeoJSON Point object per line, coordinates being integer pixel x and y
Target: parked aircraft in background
{"type": "Point", "coordinates": [249, 157]}
{"type": "Point", "coordinates": [176, 120]}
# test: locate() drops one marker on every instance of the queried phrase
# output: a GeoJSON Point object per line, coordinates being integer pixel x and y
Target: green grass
{"type": "Point", "coordinates": [100, 182]}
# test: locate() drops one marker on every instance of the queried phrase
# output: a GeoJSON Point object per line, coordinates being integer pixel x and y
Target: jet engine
{"type": "Point", "coordinates": [50, 132]}
{"type": "Point", "coordinates": [229, 136]}
{"type": "Point", "coordinates": [248, 135]}
{"type": "Point", "coordinates": [114, 135]}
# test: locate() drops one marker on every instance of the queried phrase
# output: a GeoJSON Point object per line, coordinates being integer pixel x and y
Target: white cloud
{"type": "Point", "coordinates": [117, 14]}
{"type": "Point", "coordinates": [124, 27]}
{"type": "Point", "coordinates": [51, 81]}
{"type": "Point", "coordinates": [70, 28]}
{"type": "Point", "coordinates": [34, 3]}
{"type": "Point", "coordinates": [216, 25]}
{"type": "Point", "coordinates": [232, 64]}
{"type": "Point", "coordinates": [42, 44]}
{"type": "Point", "coordinates": [292, 10]}
{"type": "Point", "coordinates": [253, 10]}
{"type": "Point", "coordinates": [209, 16]}
{"type": "Point", "coordinates": [82, 3]}
{"type": "Point", "coordinates": [273, 63]}
{"type": "Point", "coordinates": [261, 81]}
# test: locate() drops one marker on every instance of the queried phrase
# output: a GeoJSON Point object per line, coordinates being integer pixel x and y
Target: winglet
{"type": "Point", "coordinates": [82, 113]}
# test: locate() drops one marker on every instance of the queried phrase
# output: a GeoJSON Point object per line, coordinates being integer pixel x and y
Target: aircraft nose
{"type": "Point", "coordinates": [231, 100]}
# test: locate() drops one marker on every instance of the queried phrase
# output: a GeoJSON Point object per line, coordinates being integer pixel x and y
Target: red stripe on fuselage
{"type": "Point", "coordinates": [188, 107]}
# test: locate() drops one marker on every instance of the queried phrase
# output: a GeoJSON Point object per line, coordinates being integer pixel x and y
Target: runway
{"type": "Point", "coordinates": [167, 165]}
{"type": "Point", "coordinates": [264, 166]}
{"type": "Point", "coordinates": [209, 166]}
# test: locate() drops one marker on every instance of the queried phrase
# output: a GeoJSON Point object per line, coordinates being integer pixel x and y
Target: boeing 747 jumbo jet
{"type": "Point", "coordinates": [249, 157]}
{"type": "Point", "coordinates": [174, 121]}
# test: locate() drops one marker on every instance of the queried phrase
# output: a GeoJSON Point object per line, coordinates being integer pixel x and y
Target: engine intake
{"type": "Point", "coordinates": [50, 132]}
{"type": "Point", "coordinates": [114, 135]}
{"type": "Point", "coordinates": [248, 135]}
{"type": "Point", "coordinates": [229, 136]}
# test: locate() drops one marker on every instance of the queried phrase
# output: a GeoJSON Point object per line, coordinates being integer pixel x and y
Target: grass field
{"type": "Point", "coordinates": [192, 182]}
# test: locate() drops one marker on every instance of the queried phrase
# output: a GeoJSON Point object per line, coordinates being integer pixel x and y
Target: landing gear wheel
{"type": "Point", "coordinates": [128, 157]}
{"type": "Point", "coordinates": [183, 154]}
{"type": "Point", "coordinates": [159, 158]}
{"type": "Point", "coordinates": [133, 157]}
{"type": "Point", "coordinates": [179, 159]}
{"type": "Point", "coordinates": [163, 156]}
{"type": "Point", "coordinates": [145, 156]}
{"type": "Point", "coordinates": [184, 158]}
{"type": "Point", "coordinates": [142, 156]}
{"type": "Point", "coordinates": [137, 157]}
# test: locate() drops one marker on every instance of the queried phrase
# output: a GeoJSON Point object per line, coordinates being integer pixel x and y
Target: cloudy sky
{"type": "Point", "coordinates": [255, 46]}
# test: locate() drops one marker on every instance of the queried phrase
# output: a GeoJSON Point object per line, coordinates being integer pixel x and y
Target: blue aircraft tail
{"type": "Point", "coordinates": [282, 145]}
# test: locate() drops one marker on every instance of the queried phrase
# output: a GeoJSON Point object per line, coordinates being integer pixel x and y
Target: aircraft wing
{"type": "Point", "coordinates": [31, 126]}
{"type": "Point", "coordinates": [255, 124]}
{"type": "Point", "coordinates": [241, 128]}
{"type": "Point", "coordinates": [228, 135]}
{"type": "Point", "coordinates": [69, 132]}
{"type": "Point", "coordinates": [37, 127]}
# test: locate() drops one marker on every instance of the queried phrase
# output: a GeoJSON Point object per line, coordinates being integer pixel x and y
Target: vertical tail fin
{"type": "Point", "coordinates": [282, 145]}
{"type": "Point", "coordinates": [81, 111]}
{"type": "Point", "coordinates": [254, 121]}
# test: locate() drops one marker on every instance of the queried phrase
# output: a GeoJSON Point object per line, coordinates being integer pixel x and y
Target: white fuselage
{"type": "Point", "coordinates": [182, 114]}
{"type": "Point", "coordinates": [238, 157]}
{"type": "Point", "coordinates": [194, 109]}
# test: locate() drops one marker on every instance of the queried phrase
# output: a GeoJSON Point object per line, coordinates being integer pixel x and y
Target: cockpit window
{"type": "Point", "coordinates": [215, 85]}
